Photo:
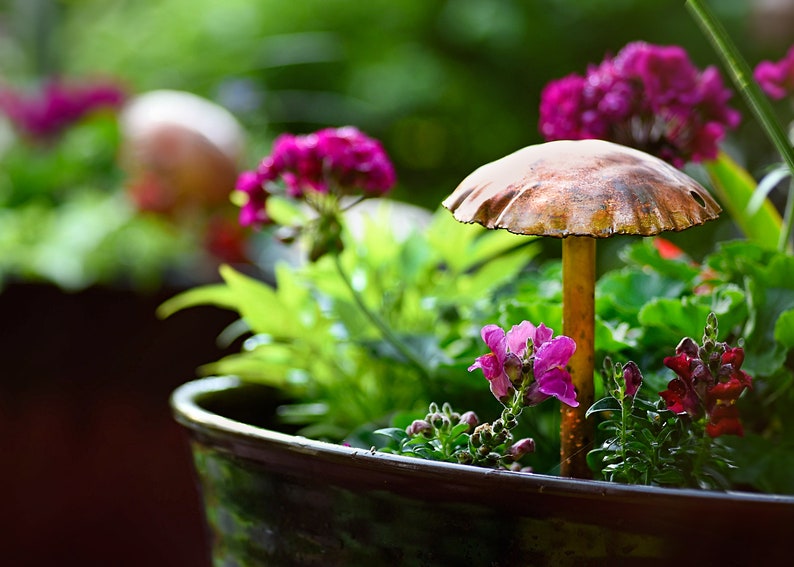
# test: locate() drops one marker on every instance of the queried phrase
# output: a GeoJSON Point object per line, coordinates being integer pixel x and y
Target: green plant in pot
{"type": "Point", "coordinates": [373, 343]}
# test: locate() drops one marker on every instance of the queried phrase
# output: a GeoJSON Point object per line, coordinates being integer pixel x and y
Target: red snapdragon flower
{"type": "Point", "coordinates": [649, 97]}
{"type": "Point", "coordinates": [708, 387]}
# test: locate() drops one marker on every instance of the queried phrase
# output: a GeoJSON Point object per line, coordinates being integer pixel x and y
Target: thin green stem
{"type": "Point", "coordinates": [705, 446]}
{"type": "Point", "coordinates": [384, 330]}
{"type": "Point", "coordinates": [625, 410]}
{"type": "Point", "coordinates": [788, 218]}
{"type": "Point", "coordinates": [742, 77]}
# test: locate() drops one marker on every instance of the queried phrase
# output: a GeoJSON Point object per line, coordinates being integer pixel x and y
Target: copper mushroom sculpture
{"type": "Point", "coordinates": [579, 191]}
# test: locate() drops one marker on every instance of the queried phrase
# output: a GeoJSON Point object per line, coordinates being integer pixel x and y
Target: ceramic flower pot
{"type": "Point", "coordinates": [277, 499]}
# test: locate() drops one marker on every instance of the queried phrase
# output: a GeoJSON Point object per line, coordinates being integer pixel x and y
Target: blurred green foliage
{"type": "Point", "coordinates": [447, 85]}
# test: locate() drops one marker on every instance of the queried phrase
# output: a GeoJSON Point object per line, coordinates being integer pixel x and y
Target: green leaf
{"type": "Point", "coordinates": [218, 295]}
{"type": "Point", "coordinates": [394, 433]}
{"type": "Point", "coordinates": [630, 289]}
{"type": "Point", "coordinates": [285, 212]}
{"type": "Point", "coordinates": [458, 430]}
{"type": "Point", "coordinates": [771, 180]}
{"type": "Point", "coordinates": [734, 188]}
{"type": "Point", "coordinates": [784, 329]}
{"type": "Point", "coordinates": [644, 254]}
{"type": "Point", "coordinates": [604, 404]}
{"type": "Point", "coordinates": [494, 243]}
{"type": "Point", "coordinates": [260, 305]}
{"type": "Point", "coordinates": [270, 366]}
{"type": "Point", "coordinates": [669, 477]}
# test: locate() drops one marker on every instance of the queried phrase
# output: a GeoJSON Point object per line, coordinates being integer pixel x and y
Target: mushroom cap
{"type": "Point", "coordinates": [581, 188]}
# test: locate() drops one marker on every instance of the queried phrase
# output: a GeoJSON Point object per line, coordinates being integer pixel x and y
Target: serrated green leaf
{"type": "Point", "coordinates": [260, 305]}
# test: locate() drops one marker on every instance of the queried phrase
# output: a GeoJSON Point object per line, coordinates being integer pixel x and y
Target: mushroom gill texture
{"type": "Point", "coordinates": [581, 188]}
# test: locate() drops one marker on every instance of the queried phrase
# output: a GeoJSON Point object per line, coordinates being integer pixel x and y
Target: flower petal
{"type": "Point", "coordinates": [555, 353]}
{"type": "Point", "coordinates": [518, 335]}
{"type": "Point", "coordinates": [557, 382]}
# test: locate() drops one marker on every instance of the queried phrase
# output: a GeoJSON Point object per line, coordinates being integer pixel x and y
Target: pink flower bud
{"type": "Point", "coordinates": [522, 447]}
{"type": "Point", "coordinates": [470, 418]}
{"type": "Point", "coordinates": [632, 377]}
{"type": "Point", "coordinates": [418, 427]}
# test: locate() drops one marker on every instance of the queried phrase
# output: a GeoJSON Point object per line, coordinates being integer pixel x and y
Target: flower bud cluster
{"type": "Point", "coordinates": [444, 434]}
{"type": "Point", "coordinates": [440, 422]}
{"type": "Point", "coordinates": [492, 444]}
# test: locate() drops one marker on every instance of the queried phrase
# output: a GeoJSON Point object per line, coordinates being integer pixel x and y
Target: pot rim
{"type": "Point", "coordinates": [187, 410]}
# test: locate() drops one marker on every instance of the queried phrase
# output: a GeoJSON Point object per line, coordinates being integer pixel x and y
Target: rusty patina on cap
{"type": "Point", "coordinates": [581, 188]}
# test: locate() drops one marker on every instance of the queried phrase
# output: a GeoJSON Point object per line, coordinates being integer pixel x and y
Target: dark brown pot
{"type": "Point", "coordinates": [273, 498]}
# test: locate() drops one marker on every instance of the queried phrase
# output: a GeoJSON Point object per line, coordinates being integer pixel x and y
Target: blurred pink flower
{"type": "Point", "coordinates": [45, 115]}
{"type": "Point", "coordinates": [339, 160]}
{"type": "Point", "coordinates": [776, 79]}
{"type": "Point", "coordinates": [649, 97]}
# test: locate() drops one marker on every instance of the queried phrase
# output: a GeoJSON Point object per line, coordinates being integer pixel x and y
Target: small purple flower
{"type": "Point", "coordinates": [44, 116]}
{"type": "Point", "coordinates": [338, 160]}
{"type": "Point", "coordinates": [649, 97]}
{"type": "Point", "coordinates": [776, 79]}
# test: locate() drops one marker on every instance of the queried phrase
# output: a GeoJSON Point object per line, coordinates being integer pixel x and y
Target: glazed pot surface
{"type": "Point", "coordinates": [277, 499]}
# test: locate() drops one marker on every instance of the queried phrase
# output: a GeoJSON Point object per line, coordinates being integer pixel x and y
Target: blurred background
{"type": "Point", "coordinates": [109, 204]}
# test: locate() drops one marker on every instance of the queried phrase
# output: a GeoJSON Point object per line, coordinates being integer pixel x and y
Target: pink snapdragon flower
{"type": "Point", "coordinates": [776, 78]}
{"type": "Point", "coordinates": [334, 160]}
{"type": "Point", "coordinates": [45, 115]}
{"type": "Point", "coordinates": [527, 358]}
{"type": "Point", "coordinates": [649, 97]}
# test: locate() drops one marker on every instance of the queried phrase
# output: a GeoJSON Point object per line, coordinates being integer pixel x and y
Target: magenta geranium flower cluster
{"type": "Point", "coordinates": [708, 382]}
{"type": "Point", "coordinates": [528, 360]}
{"type": "Point", "coordinates": [337, 161]}
{"type": "Point", "coordinates": [43, 116]}
{"type": "Point", "coordinates": [776, 78]}
{"type": "Point", "coordinates": [649, 97]}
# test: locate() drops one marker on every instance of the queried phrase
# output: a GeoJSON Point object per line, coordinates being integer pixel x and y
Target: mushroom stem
{"type": "Point", "coordinates": [578, 322]}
